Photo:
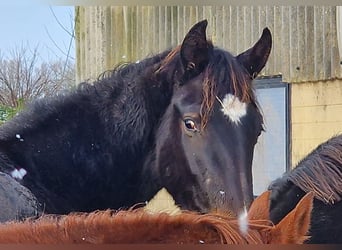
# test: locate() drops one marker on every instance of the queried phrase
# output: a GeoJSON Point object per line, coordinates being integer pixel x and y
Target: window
{"type": "Point", "coordinates": [271, 154]}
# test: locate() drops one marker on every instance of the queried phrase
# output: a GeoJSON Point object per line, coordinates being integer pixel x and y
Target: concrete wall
{"type": "Point", "coordinates": [316, 115]}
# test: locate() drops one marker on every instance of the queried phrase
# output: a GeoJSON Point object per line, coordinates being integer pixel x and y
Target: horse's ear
{"type": "Point", "coordinates": [255, 58]}
{"type": "Point", "coordinates": [195, 49]}
{"type": "Point", "coordinates": [293, 228]}
{"type": "Point", "coordinates": [260, 208]}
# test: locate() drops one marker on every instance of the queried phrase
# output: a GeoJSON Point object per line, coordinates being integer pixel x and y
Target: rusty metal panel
{"type": "Point", "coordinates": [305, 44]}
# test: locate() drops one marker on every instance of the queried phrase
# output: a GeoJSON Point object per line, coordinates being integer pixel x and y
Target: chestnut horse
{"type": "Point", "coordinates": [142, 226]}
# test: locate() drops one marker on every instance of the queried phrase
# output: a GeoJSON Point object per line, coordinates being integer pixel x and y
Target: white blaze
{"type": "Point", "coordinates": [233, 108]}
{"type": "Point", "coordinates": [243, 222]}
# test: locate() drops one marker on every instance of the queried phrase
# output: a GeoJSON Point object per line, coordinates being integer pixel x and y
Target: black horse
{"type": "Point", "coordinates": [86, 150]}
{"type": "Point", "coordinates": [16, 201]}
{"type": "Point", "coordinates": [204, 145]}
{"type": "Point", "coordinates": [320, 172]}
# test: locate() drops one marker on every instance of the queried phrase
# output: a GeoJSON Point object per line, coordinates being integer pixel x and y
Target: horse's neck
{"type": "Point", "coordinates": [149, 185]}
{"type": "Point", "coordinates": [285, 196]}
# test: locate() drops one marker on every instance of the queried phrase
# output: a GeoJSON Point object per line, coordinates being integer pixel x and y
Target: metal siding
{"type": "Point", "coordinates": [304, 48]}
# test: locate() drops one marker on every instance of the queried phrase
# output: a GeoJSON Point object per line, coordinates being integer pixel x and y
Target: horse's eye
{"type": "Point", "coordinates": [190, 124]}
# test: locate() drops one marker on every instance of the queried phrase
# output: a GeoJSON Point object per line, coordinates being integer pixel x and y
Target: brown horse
{"type": "Point", "coordinates": [141, 226]}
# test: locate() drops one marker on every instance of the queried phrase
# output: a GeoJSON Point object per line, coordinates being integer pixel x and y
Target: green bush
{"type": "Point", "coordinates": [7, 113]}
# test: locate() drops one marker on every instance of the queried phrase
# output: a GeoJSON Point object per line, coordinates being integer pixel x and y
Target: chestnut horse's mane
{"type": "Point", "coordinates": [134, 226]}
{"type": "Point", "coordinates": [147, 225]}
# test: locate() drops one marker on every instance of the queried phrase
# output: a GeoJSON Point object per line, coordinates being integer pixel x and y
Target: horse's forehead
{"type": "Point", "coordinates": [191, 91]}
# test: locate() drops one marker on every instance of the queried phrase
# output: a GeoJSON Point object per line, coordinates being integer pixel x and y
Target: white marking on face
{"type": "Point", "coordinates": [233, 108]}
{"type": "Point", "coordinates": [18, 174]}
{"type": "Point", "coordinates": [243, 221]}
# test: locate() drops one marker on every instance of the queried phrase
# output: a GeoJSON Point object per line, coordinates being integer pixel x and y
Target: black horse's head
{"type": "Point", "coordinates": [205, 142]}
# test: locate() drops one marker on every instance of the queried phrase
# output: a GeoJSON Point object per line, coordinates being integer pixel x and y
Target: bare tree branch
{"type": "Point", "coordinates": [72, 38]}
{"type": "Point", "coordinates": [23, 77]}
{"type": "Point", "coordinates": [60, 24]}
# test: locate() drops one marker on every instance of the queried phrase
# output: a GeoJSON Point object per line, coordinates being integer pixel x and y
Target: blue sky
{"type": "Point", "coordinates": [35, 24]}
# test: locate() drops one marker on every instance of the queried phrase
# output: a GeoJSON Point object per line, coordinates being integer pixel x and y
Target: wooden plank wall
{"type": "Point", "coordinates": [304, 49]}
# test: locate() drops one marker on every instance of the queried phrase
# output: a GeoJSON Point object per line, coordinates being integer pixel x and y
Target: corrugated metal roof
{"type": "Point", "coordinates": [305, 46]}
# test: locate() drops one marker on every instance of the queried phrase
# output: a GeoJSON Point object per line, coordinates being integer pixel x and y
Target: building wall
{"type": "Point", "coordinates": [316, 115]}
{"type": "Point", "coordinates": [305, 46]}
